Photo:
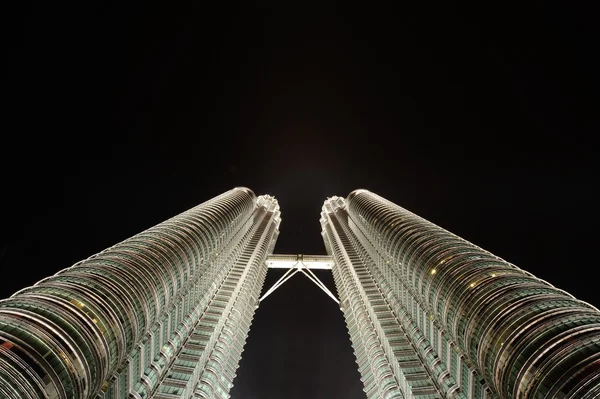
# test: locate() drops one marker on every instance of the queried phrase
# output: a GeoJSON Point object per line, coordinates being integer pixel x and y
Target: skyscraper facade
{"type": "Point", "coordinates": [431, 315]}
{"type": "Point", "coordinates": [163, 314]}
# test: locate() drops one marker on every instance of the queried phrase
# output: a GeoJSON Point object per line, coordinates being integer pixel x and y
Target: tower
{"type": "Point", "coordinates": [431, 315]}
{"type": "Point", "coordinates": [163, 314]}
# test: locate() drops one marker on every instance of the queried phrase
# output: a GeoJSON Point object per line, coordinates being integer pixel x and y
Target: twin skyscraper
{"type": "Point", "coordinates": [165, 314]}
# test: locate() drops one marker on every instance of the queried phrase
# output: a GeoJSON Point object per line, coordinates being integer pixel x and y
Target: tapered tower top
{"type": "Point", "coordinates": [355, 192]}
{"type": "Point", "coordinates": [246, 189]}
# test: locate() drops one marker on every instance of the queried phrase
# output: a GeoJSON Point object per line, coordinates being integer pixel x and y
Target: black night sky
{"type": "Point", "coordinates": [481, 119]}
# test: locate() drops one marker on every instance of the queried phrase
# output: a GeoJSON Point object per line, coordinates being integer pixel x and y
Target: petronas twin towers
{"type": "Point", "coordinates": [165, 313]}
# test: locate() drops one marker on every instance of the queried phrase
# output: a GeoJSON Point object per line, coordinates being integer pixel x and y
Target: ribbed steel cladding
{"type": "Point", "coordinates": [528, 338]}
{"type": "Point", "coordinates": [227, 350]}
{"type": "Point", "coordinates": [65, 335]}
{"type": "Point", "coordinates": [220, 266]}
{"type": "Point", "coordinates": [372, 356]}
{"type": "Point", "coordinates": [212, 380]}
{"type": "Point", "coordinates": [423, 344]}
